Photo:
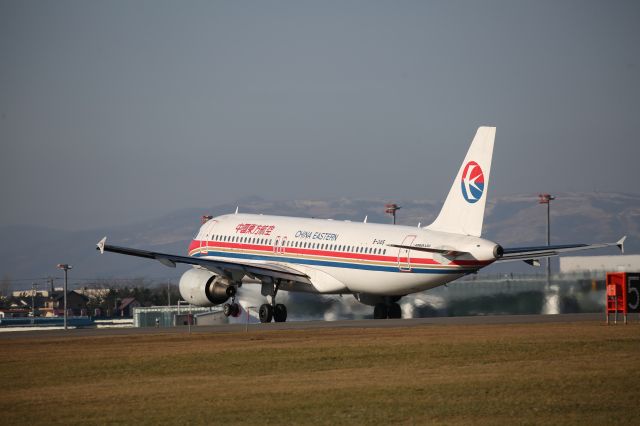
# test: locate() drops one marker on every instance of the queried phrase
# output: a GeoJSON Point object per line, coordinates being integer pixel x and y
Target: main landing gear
{"type": "Point", "coordinates": [272, 311]}
{"type": "Point", "coordinates": [387, 310]}
{"type": "Point", "coordinates": [231, 309]}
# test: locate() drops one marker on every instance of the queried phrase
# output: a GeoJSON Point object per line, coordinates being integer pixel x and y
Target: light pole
{"type": "Point", "coordinates": [34, 289]}
{"type": "Point", "coordinates": [65, 268]}
{"type": "Point", "coordinates": [546, 199]}
{"type": "Point", "coordinates": [391, 209]}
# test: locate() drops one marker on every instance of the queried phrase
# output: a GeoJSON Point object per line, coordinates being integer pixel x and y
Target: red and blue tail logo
{"type": "Point", "coordinates": [472, 182]}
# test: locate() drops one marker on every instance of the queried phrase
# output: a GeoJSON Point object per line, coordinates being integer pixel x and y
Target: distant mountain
{"type": "Point", "coordinates": [30, 252]}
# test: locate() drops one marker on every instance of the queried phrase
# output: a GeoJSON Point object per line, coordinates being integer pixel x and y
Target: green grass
{"type": "Point", "coordinates": [527, 374]}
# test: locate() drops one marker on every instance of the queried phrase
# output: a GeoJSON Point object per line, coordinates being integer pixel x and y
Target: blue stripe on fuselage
{"type": "Point", "coordinates": [302, 261]}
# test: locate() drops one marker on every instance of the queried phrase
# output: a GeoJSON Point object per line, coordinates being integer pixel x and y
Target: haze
{"type": "Point", "coordinates": [111, 112]}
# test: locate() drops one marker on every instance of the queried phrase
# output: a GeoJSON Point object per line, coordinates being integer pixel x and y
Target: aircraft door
{"type": "Point", "coordinates": [404, 255]}
{"type": "Point", "coordinates": [208, 236]}
{"type": "Point", "coordinates": [279, 245]}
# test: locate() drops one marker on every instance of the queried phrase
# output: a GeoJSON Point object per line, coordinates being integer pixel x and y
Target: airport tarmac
{"type": "Point", "coordinates": [302, 325]}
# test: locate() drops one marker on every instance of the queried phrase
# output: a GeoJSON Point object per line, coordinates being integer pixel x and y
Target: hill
{"type": "Point", "coordinates": [30, 253]}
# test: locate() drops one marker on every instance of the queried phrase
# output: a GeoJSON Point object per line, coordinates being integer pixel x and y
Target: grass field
{"type": "Point", "coordinates": [570, 373]}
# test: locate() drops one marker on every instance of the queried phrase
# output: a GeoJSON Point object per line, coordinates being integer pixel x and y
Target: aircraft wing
{"type": "Point", "coordinates": [530, 254]}
{"type": "Point", "coordinates": [220, 267]}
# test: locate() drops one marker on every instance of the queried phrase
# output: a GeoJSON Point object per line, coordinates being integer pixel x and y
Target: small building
{"type": "Point", "coordinates": [76, 304]}
{"type": "Point", "coordinates": [14, 313]}
{"type": "Point", "coordinates": [581, 264]}
{"type": "Point", "coordinates": [33, 303]}
{"type": "Point", "coordinates": [125, 308]}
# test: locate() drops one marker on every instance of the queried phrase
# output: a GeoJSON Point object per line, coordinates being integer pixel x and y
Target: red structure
{"type": "Point", "coordinates": [545, 198]}
{"type": "Point", "coordinates": [623, 294]}
{"type": "Point", "coordinates": [392, 209]}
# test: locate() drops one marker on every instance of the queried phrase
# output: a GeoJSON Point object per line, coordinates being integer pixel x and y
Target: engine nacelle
{"type": "Point", "coordinates": [203, 288]}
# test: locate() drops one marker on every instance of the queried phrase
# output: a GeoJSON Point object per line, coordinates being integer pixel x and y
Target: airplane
{"type": "Point", "coordinates": [376, 263]}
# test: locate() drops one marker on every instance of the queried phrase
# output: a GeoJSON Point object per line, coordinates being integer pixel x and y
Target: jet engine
{"type": "Point", "coordinates": [204, 288]}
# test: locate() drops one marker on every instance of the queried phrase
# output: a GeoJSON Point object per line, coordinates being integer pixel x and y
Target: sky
{"type": "Point", "coordinates": [113, 111]}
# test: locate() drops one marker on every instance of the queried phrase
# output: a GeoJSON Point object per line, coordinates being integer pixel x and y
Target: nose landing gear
{"type": "Point", "coordinates": [231, 309]}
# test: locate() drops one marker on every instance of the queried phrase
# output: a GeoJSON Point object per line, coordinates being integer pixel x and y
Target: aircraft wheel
{"type": "Point", "coordinates": [235, 310]}
{"type": "Point", "coordinates": [265, 313]}
{"type": "Point", "coordinates": [380, 311]}
{"type": "Point", "coordinates": [394, 311]}
{"type": "Point", "coordinates": [227, 309]}
{"type": "Point", "coordinates": [280, 313]}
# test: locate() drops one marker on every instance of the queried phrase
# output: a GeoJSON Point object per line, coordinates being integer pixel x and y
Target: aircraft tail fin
{"type": "Point", "coordinates": [463, 210]}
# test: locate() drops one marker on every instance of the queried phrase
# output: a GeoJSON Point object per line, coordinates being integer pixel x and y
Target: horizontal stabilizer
{"type": "Point", "coordinates": [534, 253]}
{"type": "Point", "coordinates": [444, 252]}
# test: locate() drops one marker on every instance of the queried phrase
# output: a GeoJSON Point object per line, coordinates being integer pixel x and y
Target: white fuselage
{"type": "Point", "coordinates": [343, 256]}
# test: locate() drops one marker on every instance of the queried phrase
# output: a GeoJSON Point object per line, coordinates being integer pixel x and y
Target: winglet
{"type": "Point", "coordinates": [620, 243]}
{"type": "Point", "coordinates": [365, 218]}
{"type": "Point", "coordinates": [237, 207]}
{"type": "Point", "coordinates": [101, 244]}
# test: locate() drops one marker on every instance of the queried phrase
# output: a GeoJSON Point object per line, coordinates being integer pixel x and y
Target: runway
{"type": "Point", "coordinates": [304, 325]}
